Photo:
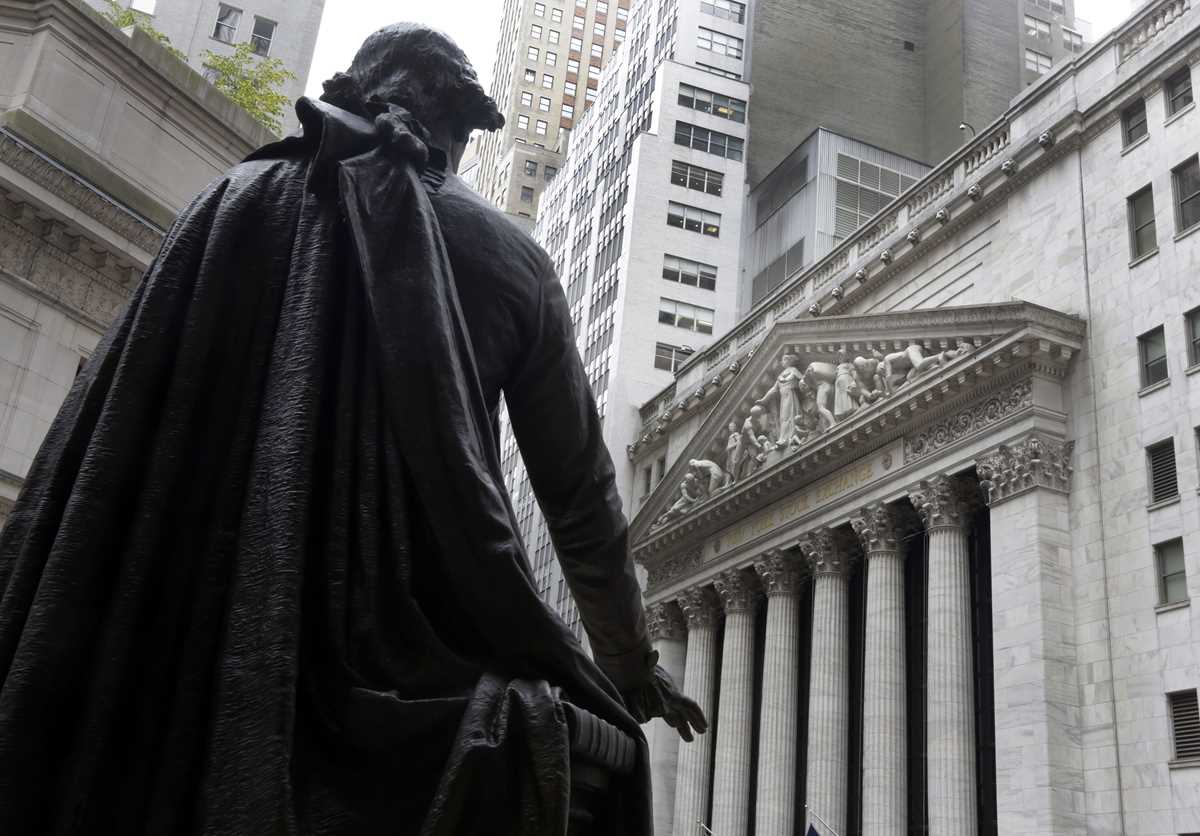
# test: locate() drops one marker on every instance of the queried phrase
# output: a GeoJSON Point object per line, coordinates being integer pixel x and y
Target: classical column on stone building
{"type": "Point", "coordinates": [884, 734]}
{"type": "Point", "coordinates": [694, 766]}
{"type": "Point", "coordinates": [781, 573]}
{"type": "Point", "coordinates": [944, 503]}
{"type": "Point", "coordinates": [828, 689]}
{"type": "Point", "coordinates": [1039, 726]}
{"type": "Point", "coordinates": [668, 632]}
{"type": "Point", "coordinates": [738, 591]}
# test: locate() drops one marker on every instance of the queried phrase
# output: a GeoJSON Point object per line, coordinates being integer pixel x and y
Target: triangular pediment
{"type": "Point", "coordinates": [824, 389]}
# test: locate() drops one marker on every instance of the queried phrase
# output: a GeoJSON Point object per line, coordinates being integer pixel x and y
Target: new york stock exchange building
{"type": "Point", "coordinates": [926, 530]}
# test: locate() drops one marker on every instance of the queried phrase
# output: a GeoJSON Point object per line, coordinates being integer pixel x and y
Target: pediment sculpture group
{"type": "Point", "coordinates": [799, 407]}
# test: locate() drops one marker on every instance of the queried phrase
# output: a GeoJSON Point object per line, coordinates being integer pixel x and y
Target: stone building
{"type": "Point", "coordinates": [103, 139]}
{"type": "Point", "coordinates": [929, 529]}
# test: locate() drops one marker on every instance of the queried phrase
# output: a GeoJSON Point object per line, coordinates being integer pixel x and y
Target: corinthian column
{"type": "Point", "coordinates": [943, 503]}
{"type": "Point", "coordinates": [884, 750]}
{"type": "Point", "coordinates": [731, 786]}
{"type": "Point", "coordinates": [667, 629]}
{"type": "Point", "coordinates": [775, 810]}
{"type": "Point", "coordinates": [700, 609]}
{"type": "Point", "coordinates": [828, 689]}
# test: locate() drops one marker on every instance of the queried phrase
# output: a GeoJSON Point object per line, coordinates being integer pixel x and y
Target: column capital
{"type": "Point", "coordinates": [780, 572]}
{"type": "Point", "coordinates": [664, 620]}
{"type": "Point", "coordinates": [1035, 461]}
{"type": "Point", "coordinates": [942, 501]}
{"type": "Point", "coordinates": [699, 606]}
{"type": "Point", "coordinates": [877, 527]}
{"type": "Point", "coordinates": [737, 590]}
{"type": "Point", "coordinates": [826, 552]}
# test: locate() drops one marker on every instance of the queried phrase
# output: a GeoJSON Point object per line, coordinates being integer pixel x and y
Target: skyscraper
{"type": "Point", "coordinates": [549, 63]}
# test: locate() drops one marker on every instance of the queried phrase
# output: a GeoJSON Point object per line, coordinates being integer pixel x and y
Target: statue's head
{"type": "Point", "coordinates": [756, 411]}
{"type": "Point", "coordinates": [733, 427]}
{"type": "Point", "coordinates": [789, 359]}
{"type": "Point", "coordinates": [421, 70]}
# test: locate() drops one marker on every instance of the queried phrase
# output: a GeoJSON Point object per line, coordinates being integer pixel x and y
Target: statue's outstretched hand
{"type": "Point", "coordinates": [659, 697]}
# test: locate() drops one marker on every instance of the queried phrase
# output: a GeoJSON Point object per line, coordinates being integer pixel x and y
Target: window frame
{"type": "Point", "coordinates": [527, 194]}
{"type": "Point", "coordinates": [679, 269]}
{"type": "Point", "coordinates": [699, 318]}
{"type": "Point", "coordinates": [1176, 756]}
{"type": "Point", "coordinates": [1129, 125]}
{"type": "Point", "coordinates": [730, 10]}
{"type": "Point", "coordinates": [1167, 444]}
{"type": "Point", "coordinates": [1038, 61]}
{"type": "Point", "coordinates": [257, 40]}
{"type": "Point", "coordinates": [1164, 577]}
{"type": "Point", "coordinates": [532, 53]}
{"type": "Point", "coordinates": [1135, 228]}
{"type": "Point", "coordinates": [694, 219]}
{"type": "Point", "coordinates": [526, 99]}
{"type": "Point", "coordinates": [219, 25]}
{"type": "Point", "coordinates": [1073, 41]}
{"type": "Point", "coordinates": [531, 168]}
{"type": "Point", "coordinates": [1193, 199]}
{"type": "Point", "coordinates": [731, 45]}
{"type": "Point", "coordinates": [535, 31]}
{"type": "Point", "coordinates": [547, 81]}
{"type": "Point", "coordinates": [522, 122]}
{"type": "Point", "coordinates": [677, 357]}
{"type": "Point", "coordinates": [1144, 362]}
{"type": "Point", "coordinates": [540, 127]}
{"type": "Point", "coordinates": [1191, 329]}
{"type": "Point", "coordinates": [1035, 31]}
{"type": "Point", "coordinates": [1175, 88]}
{"type": "Point", "coordinates": [697, 178]}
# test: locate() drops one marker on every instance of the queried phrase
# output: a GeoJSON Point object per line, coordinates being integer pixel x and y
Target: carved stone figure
{"type": "Point", "coordinates": [845, 388]}
{"type": "Point", "coordinates": [869, 371]}
{"type": "Point", "coordinates": [785, 393]}
{"type": "Point", "coordinates": [690, 493]}
{"type": "Point", "coordinates": [734, 450]}
{"type": "Point", "coordinates": [755, 445]}
{"type": "Point", "coordinates": [820, 377]}
{"type": "Point", "coordinates": [713, 472]}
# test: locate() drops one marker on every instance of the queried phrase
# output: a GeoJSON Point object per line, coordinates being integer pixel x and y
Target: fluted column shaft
{"type": "Point", "coordinates": [884, 747]}
{"type": "Point", "coordinates": [828, 690]}
{"type": "Point", "coordinates": [694, 764]}
{"type": "Point", "coordinates": [775, 808]}
{"type": "Point", "coordinates": [950, 697]}
{"type": "Point", "coordinates": [731, 785]}
{"type": "Point", "coordinates": [668, 632]}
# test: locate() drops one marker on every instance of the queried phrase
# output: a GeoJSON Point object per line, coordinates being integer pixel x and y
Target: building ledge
{"type": "Point", "coordinates": [1154, 387]}
{"type": "Point", "coordinates": [1179, 114]}
{"type": "Point", "coordinates": [1142, 140]}
{"type": "Point", "coordinates": [1184, 763]}
{"type": "Point", "coordinates": [1177, 605]}
{"type": "Point", "coordinates": [1191, 230]}
{"type": "Point", "coordinates": [1193, 369]}
{"type": "Point", "coordinates": [1143, 257]}
{"type": "Point", "coordinates": [1163, 503]}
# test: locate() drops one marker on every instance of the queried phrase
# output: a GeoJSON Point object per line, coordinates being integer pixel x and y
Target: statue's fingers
{"type": "Point", "coordinates": [694, 715]}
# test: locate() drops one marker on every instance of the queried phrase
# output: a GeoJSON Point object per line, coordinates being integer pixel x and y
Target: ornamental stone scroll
{"type": "Point", "coordinates": [780, 572]}
{"type": "Point", "coordinates": [877, 527]}
{"type": "Point", "coordinates": [665, 620]}
{"type": "Point", "coordinates": [943, 501]}
{"type": "Point", "coordinates": [737, 590]}
{"type": "Point", "coordinates": [700, 606]}
{"type": "Point", "coordinates": [826, 552]}
{"type": "Point", "coordinates": [1036, 461]}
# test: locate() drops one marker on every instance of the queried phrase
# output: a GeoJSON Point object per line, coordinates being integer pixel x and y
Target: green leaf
{"type": "Point", "coordinates": [252, 82]}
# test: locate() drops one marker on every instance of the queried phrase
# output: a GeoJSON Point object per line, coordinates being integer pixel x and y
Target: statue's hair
{"type": "Point", "coordinates": [420, 69]}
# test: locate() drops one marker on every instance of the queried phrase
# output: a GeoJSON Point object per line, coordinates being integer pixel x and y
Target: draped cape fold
{"type": "Point", "coordinates": [264, 576]}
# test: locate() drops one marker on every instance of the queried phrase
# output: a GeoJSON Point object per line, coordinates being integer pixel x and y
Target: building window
{"type": "Point", "coordinates": [532, 54]}
{"type": "Point", "coordinates": [261, 37]}
{"type": "Point", "coordinates": [707, 101]}
{"type": "Point", "coordinates": [668, 358]}
{"type": "Point", "coordinates": [552, 36]}
{"type": "Point", "coordinates": [556, 15]}
{"type": "Point", "coordinates": [719, 43]}
{"type": "Point", "coordinates": [1191, 322]}
{"type": "Point", "coordinates": [526, 98]}
{"type": "Point", "coordinates": [226, 27]}
{"type": "Point", "coordinates": [618, 35]}
{"type": "Point", "coordinates": [551, 59]}
{"type": "Point", "coordinates": [547, 80]}
{"type": "Point", "coordinates": [535, 31]}
{"type": "Point", "coordinates": [530, 77]}
{"type": "Point", "coordinates": [1152, 347]}
{"type": "Point", "coordinates": [708, 68]}
{"type": "Point", "coordinates": [601, 7]}
{"type": "Point", "coordinates": [1143, 236]}
{"type": "Point", "coordinates": [589, 95]}
{"type": "Point", "coordinates": [1073, 41]}
{"type": "Point", "coordinates": [1172, 576]}
{"type": "Point", "coordinates": [1187, 194]}
{"type": "Point", "coordinates": [569, 88]}
{"type": "Point", "coordinates": [568, 111]}
{"type": "Point", "coordinates": [577, 23]}
{"type": "Point", "coordinates": [539, 9]}
{"type": "Point", "coordinates": [550, 172]}
{"type": "Point", "coordinates": [522, 121]}
{"type": "Point", "coordinates": [598, 30]}
{"type": "Point", "coordinates": [684, 315]}
{"type": "Point", "coordinates": [544, 104]}
{"type": "Point", "coordinates": [597, 51]}
{"type": "Point", "coordinates": [1133, 121]}
{"type": "Point", "coordinates": [702, 139]}
{"type": "Point", "coordinates": [530, 168]}
{"type": "Point", "coordinates": [1179, 91]}
{"type": "Point", "coordinates": [727, 9]}
{"type": "Point", "coordinates": [1055, 6]}
{"type": "Point", "coordinates": [1037, 61]}
{"type": "Point", "coordinates": [694, 177]}
{"type": "Point", "coordinates": [1185, 724]}
{"type": "Point", "coordinates": [540, 127]}
{"type": "Point", "coordinates": [1164, 480]}
{"type": "Point", "coordinates": [1037, 28]}
{"type": "Point", "coordinates": [526, 194]}
{"type": "Point", "coordinates": [693, 219]}
{"type": "Point", "coordinates": [688, 272]}
{"type": "Point", "coordinates": [577, 46]}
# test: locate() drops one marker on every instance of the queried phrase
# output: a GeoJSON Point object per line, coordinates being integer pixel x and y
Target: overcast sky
{"type": "Point", "coordinates": [473, 24]}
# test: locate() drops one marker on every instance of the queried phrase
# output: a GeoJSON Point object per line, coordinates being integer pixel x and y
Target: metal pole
{"type": "Point", "coordinates": [704, 827]}
{"type": "Point", "coordinates": [824, 824]}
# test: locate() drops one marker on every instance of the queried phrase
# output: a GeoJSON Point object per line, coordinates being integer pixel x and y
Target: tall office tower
{"type": "Point", "coordinates": [642, 224]}
{"type": "Point", "coordinates": [278, 28]}
{"type": "Point", "coordinates": [549, 63]}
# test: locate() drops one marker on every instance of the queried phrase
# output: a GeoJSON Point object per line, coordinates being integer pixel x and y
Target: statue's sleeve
{"type": "Point", "coordinates": [559, 432]}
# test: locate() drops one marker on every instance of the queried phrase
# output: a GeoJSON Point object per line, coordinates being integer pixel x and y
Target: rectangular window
{"type": "Point", "coordinates": [618, 35]}
{"type": "Point", "coordinates": [1035, 27]}
{"type": "Point", "coordinates": [688, 272]}
{"type": "Point", "coordinates": [573, 65]}
{"type": "Point", "coordinates": [526, 98]}
{"type": "Point", "coordinates": [1073, 41]}
{"type": "Point", "coordinates": [694, 177]}
{"type": "Point", "coordinates": [1172, 575]}
{"type": "Point", "coordinates": [684, 315]}
{"type": "Point", "coordinates": [540, 128]}
{"type": "Point", "coordinates": [726, 9]}
{"type": "Point", "coordinates": [551, 59]}
{"type": "Point", "coordinates": [530, 168]}
{"type": "Point", "coordinates": [708, 68]}
{"type": "Point", "coordinates": [530, 76]}
{"type": "Point", "coordinates": [1186, 178]}
{"type": "Point", "coordinates": [1055, 6]}
{"type": "Point", "coordinates": [1133, 121]}
{"type": "Point", "coordinates": [228, 19]}
{"type": "Point", "coordinates": [589, 95]}
{"type": "Point", "coordinates": [576, 45]}
{"type": "Point", "coordinates": [532, 54]}
{"type": "Point", "coordinates": [535, 31]}
{"type": "Point", "coordinates": [526, 194]}
{"type": "Point", "coordinates": [547, 80]}
{"type": "Point", "coordinates": [539, 9]}
{"type": "Point", "coordinates": [601, 7]}
{"type": "Point", "coordinates": [1037, 61]}
{"type": "Point", "coordinates": [713, 142]}
{"type": "Point", "coordinates": [1179, 91]}
{"type": "Point", "coordinates": [577, 23]}
{"type": "Point", "coordinates": [719, 42]}
{"type": "Point", "coordinates": [707, 101]}
{"type": "Point", "coordinates": [1164, 480]}
{"type": "Point", "coordinates": [552, 36]}
{"type": "Point", "coordinates": [522, 121]}
{"type": "Point", "coordinates": [1143, 238]}
{"type": "Point", "coordinates": [556, 15]}
{"type": "Point", "coordinates": [1191, 326]}
{"type": "Point", "coordinates": [597, 51]}
{"type": "Point", "coordinates": [669, 358]}
{"type": "Point", "coordinates": [693, 219]}
{"type": "Point", "coordinates": [568, 111]}
{"type": "Point", "coordinates": [1185, 724]}
{"type": "Point", "coordinates": [261, 37]}
{"type": "Point", "coordinates": [569, 88]}
{"type": "Point", "coordinates": [550, 172]}
{"type": "Point", "coordinates": [598, 29]}
{"type": "Point", "coordinates": [544, 104]}
{"type": "Point", "coordinates": [1152, 348]}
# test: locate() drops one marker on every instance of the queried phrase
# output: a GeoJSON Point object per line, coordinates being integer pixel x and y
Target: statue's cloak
{"type": "Point", "coordinates": [264, 577]}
